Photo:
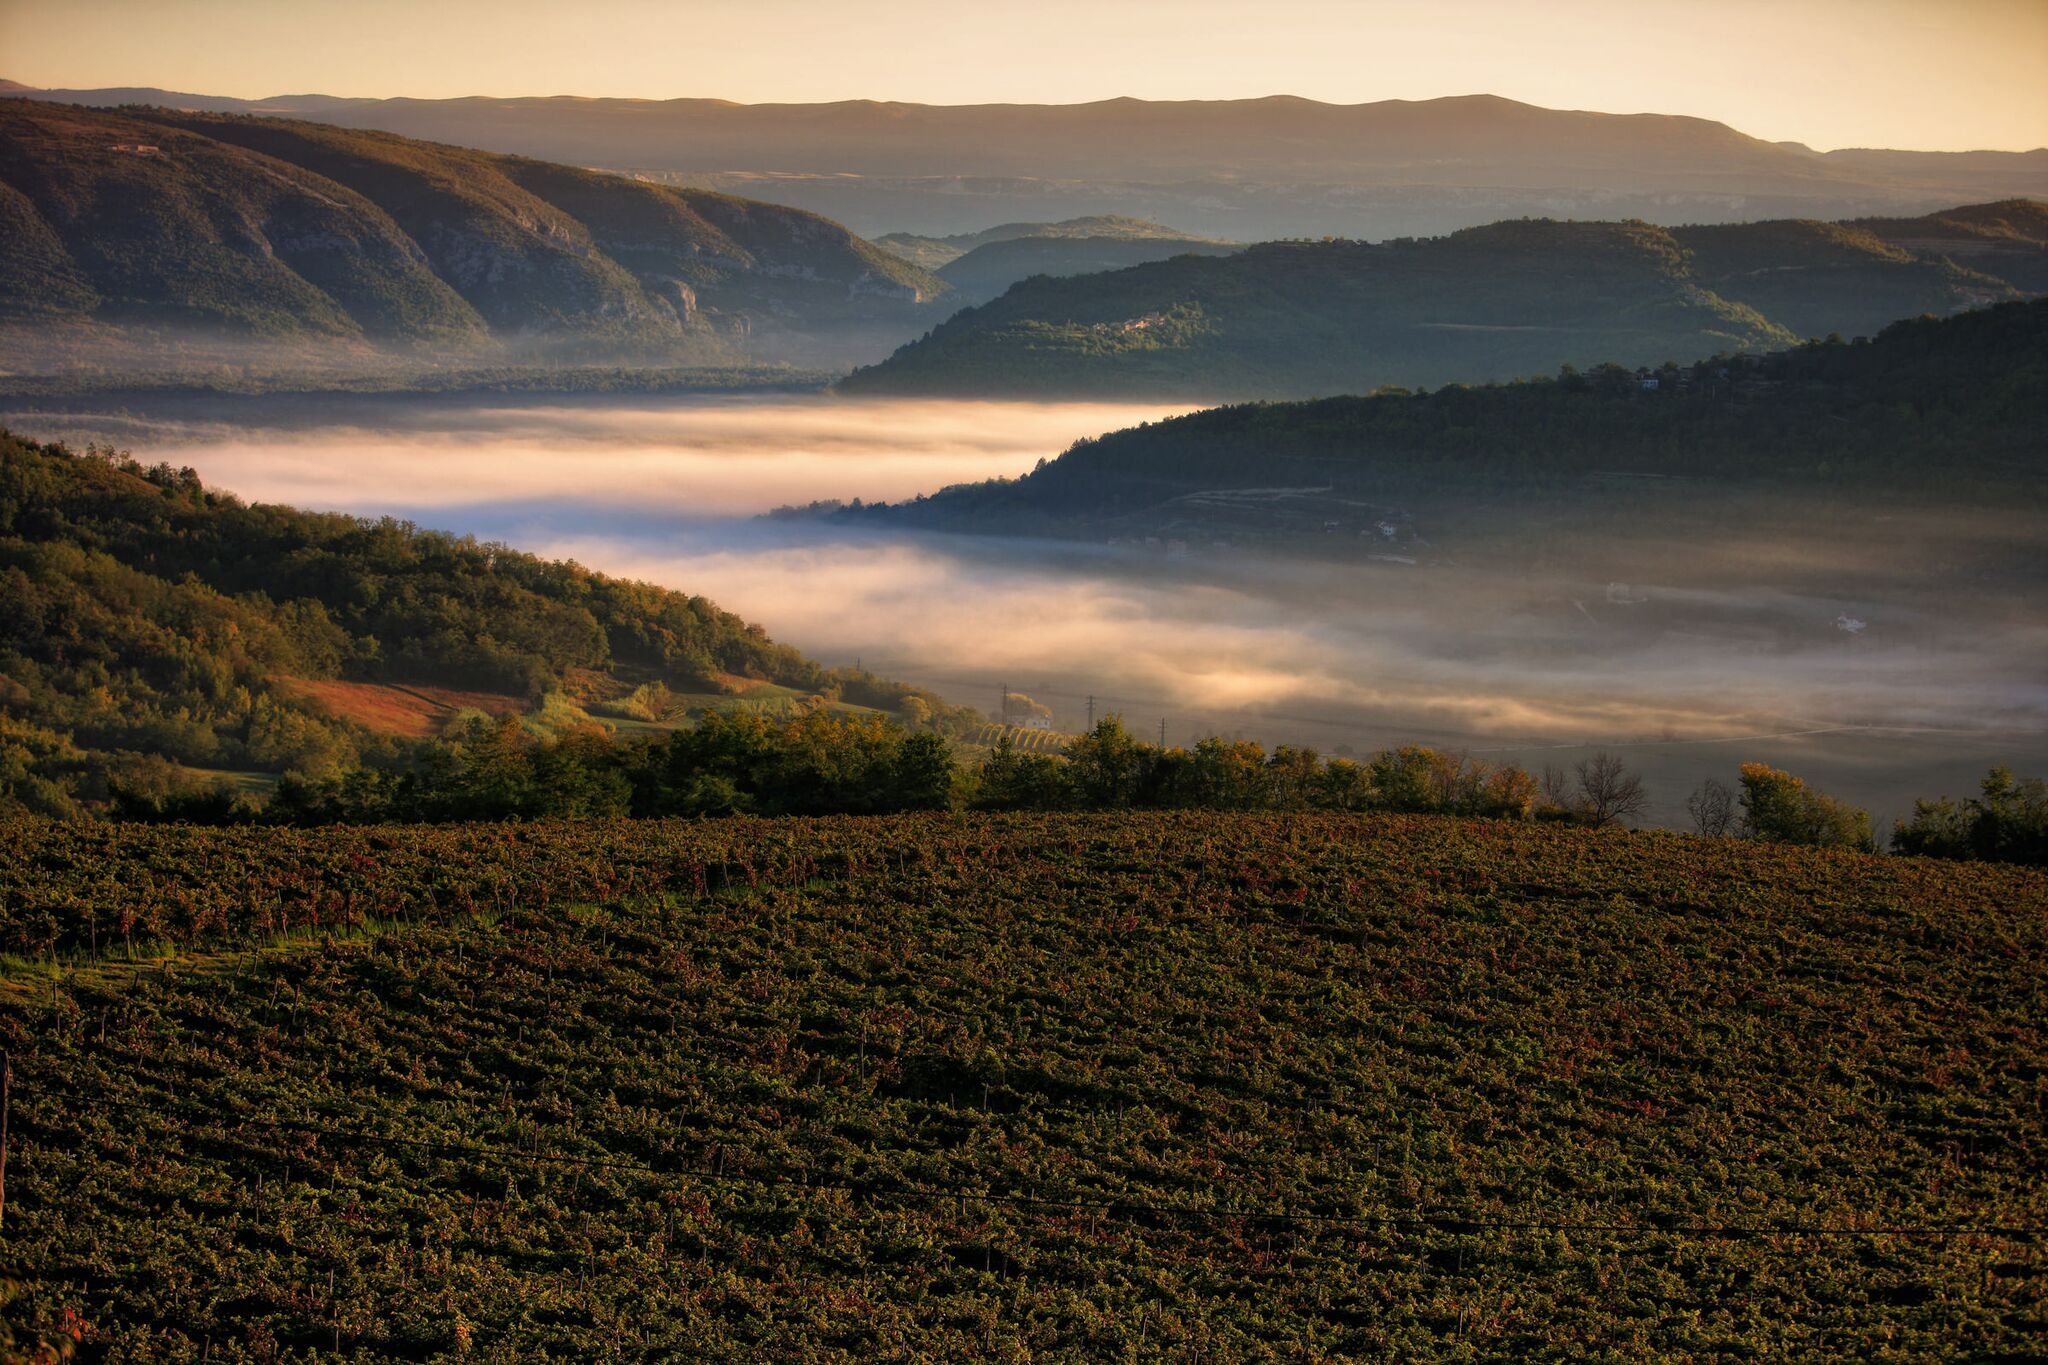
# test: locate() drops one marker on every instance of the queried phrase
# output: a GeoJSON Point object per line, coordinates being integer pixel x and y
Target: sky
{"type": "Point", "coordinates": [1928, 74]}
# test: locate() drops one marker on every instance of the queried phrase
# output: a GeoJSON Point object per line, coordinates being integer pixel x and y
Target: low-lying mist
{"type": "Point", "coordinates": [699, 456]}
{"type": "Point", "coordinates": [1793, 649]}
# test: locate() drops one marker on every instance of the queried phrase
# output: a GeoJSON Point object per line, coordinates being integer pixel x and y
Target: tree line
{"type": "Point", "coordinates": [825, 763]}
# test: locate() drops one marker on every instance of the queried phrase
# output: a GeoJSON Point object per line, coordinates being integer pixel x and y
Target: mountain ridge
{"type": "Point", "coordinates": [827, 110]}
{"type": "Point", "coordinates": [283, 228]}
{"type": "Point", "coordinates": [1300, 319]}
{"type": "Point", "coordinates": [985, 272]}
{"type": "Point", "coordinates": [1430, 165]}
{"type": "Point", "coordinates": [1953, 405]}
{"type": "Point", "coordinates": [936, 252]}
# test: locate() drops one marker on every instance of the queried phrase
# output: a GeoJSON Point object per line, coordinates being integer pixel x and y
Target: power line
{"type": "Point", "coordinates": [806, 1179]}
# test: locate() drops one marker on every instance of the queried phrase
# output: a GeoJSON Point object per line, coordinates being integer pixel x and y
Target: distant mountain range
{"type": "Point", "coordinates": [1238, 169]}
{"type": "Point", "coordinates": [169, 225]}
{"type": "Point", "coordinates": [1296, 319]}
{"type": "Point", "coordinates": [224, 225]}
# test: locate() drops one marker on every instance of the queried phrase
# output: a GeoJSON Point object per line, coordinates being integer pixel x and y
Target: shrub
{"type": "Point", "coordinates": [1780, 807]}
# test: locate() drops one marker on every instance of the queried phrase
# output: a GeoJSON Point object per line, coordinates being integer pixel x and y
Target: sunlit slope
{"type": "Point", "coordinates": [149, 623]}
{"type": "Point", "coordinates": [1084, 1087]}
{"type": "Point", "coordinates": [2008, 239]}
{"type": "Point", "coordinates": [1304, 318]}
{"type": "Point", "coordinates": [272, 227]}
{"type": "Point", "coordinates": [1815, 278]}
{"type": "Point", "coordinates": [934, 252]}
{"type": "Point", "coordinates": [987, 271]}
{"type": "Point", "coordinates": [128, 221]}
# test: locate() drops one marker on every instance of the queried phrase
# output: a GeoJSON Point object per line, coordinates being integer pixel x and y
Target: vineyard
{"type": "Point", "coordinates": [1023, 738]}
{"type": "Point", "coordinates": [1194, 1087]}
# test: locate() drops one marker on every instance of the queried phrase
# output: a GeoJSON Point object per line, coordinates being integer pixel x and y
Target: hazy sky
{"type": "Point", "coordinates": [1938, 74]}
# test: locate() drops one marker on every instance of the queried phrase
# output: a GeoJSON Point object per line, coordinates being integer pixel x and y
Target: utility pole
{"type": "Point", "coordinates": [1091, 713]}
{"type": "Point", "coordinates": [1003, 705]}
{"type": "Point", "coordinates": [1162, 732]}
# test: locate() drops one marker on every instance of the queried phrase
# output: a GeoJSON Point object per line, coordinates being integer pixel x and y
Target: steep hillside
{"type": "Point", "coordinates": [1304, 318]}
{"type": "Point", "coordinates": [526, 266]}
{"type": "Point", "coordinates": [129, 221]}
{"type": "Point", "coordinates": [265, 227]}
{"type": "Point", "coordinates": [1123, 1087]}
{"type": "Point", "coordinates": [987, 271]}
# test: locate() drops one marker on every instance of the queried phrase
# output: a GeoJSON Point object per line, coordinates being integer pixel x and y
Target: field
{"type": "Point", "coordinates": [1192, 1087]}
{"type": "Point", "coordinates": [1023, 738]}
{"type": "Point", "coordinates": [404, 710]}
{"type": "Point", "coordinates": [422, 711]}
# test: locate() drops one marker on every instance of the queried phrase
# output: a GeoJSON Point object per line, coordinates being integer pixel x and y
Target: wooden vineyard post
{"type": "Point", "coordinates": [6, 1086]}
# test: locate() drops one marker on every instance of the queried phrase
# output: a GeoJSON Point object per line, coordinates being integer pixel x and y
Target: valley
{"type": "Point", "coordinates": [1689, 624]}
{"type": "Point", "coordinates": [1143, 682]}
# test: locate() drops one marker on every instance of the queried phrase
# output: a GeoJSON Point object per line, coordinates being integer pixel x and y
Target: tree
{"type": "Point", "coordinates": [1510, 792]}
{"type": "Point", "coordinates": [1940, 828]}
{"type": "Point", "coordinates": [1009, 780]}
{"type": "Point", "coordinates": [1224, 774]}
{"type": "Point", "coordinates": [1109, 765]}
{"type": "Point", "coordinates": [1780, 807]}
{"type": "Point", "coordinates": [1291, 777]}
{"type": "Point", "coordinates": [1343, 785]}
{"type": "Point", "coordinates": [1712, 808]}
{"type": "Point", "coordinates": [1454, 780]}
{"type": "Point", "coordinates": [2012, 819]}
{"type": "Point", "coordinates": [1608, 793]}
{"type": "Point", "coordinates": [1401, 778]}
{"type": "Point", "coordinates": [2006, 822]}
{"type": "Point", "coordinates": [922, 773]}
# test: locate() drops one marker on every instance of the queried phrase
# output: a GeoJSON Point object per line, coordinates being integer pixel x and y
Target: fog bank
{"type": "Point", "coordinates": [689, 457]}
{"type": "Point", "coordinates": [1797, 649]}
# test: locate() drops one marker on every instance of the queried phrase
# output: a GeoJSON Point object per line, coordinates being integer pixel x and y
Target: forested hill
{"type": "Point", "coordinates": [987, 271]}
{"type": "Point", "coordinates": [1302, 319]}
{"type": "Point", "coordinates": [934, 253]}
{"type": "Point", "coordinates": [1955, 405]}
{"type": "Point", "coordinates": [148, 622]}
{"type": "Point", "coordinates": [2008, 239]}
{"type": "Point", "coordinates": [271, 228]}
